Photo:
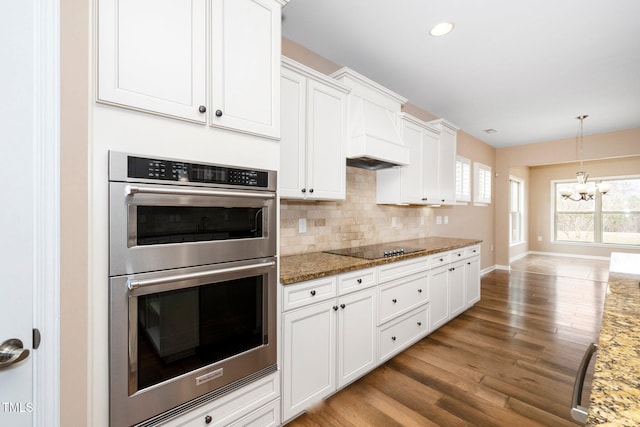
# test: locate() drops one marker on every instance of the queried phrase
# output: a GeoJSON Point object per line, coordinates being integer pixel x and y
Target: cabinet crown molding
{"type": "Point", "coordinates": [444, 123]}
{"type": "Point", "coordinates": [309, 72]}
{"type": "Point", "coordinates": [418, 122]}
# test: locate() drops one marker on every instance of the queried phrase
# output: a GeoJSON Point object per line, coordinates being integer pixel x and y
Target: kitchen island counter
{"type": "Point", "coordinates": [299, 268]}
{"type": "Point", "coordinates": [615, 390]}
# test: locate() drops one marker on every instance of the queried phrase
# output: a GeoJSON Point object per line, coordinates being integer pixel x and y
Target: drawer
{"type": "Point", "coordinates": [232, 406]}
{"type": "Point", "coordinates": [472, 251]}
{"type": "Point", "coordinates": [267, 416]}
{"type": "Point", "coordinates": [356, 280]}
{"type": "Point", "coordinates": [395, 270]}
{"type": "Point", "coordinates": [402, 295]}
{"type": "Point", "coordinates": [305, 293]}
{"type": "Point", "coordinates": [400, 333]}
{"type": "Point", "coordinates": [436, 260]}
{"type": "Point", "coordinates": [457, 254]}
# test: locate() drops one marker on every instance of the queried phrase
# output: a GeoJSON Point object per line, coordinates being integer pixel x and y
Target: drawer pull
{"type": "Point", "coordinates": [394, 300]}
{"type": "Point", "coordinates": [419, 323]}
{"type": "Point", "coordinates": [335, 308]}
{"type": "Point", "coordinates": [313, 293]}
{"type": "Point", "coordinates": [359, 281]}
{"type": "Point", "coordinates": [393, 338]}
{"type": "Point", "coordinates": [419, 291]}
{"type": "Point", "coordinates": [342, 306]}
{"type": "Point", "coordinates": [208, 419]}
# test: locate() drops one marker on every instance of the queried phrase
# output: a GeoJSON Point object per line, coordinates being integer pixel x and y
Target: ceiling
{"type": "Point", "coordinates": [524, 68]}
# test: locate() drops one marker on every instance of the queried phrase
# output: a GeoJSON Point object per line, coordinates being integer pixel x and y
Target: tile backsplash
{"type": "Point", "coordinates": [358, 220]}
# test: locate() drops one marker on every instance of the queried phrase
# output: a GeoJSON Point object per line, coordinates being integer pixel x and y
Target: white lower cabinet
{"type": "Point", "coordinates": [398, 334]}
{"type": "Point", "coordinates": [242, 407]}
{"type": "Point", "coordinates": [327, 344]}
{"type": "Point", "coordinates": [456, 283]}
{"type": "Point", "coordinates": [472, 279]}
{"type": "Point", "coordinates": [337, 328]}
{"type": "Point", "coordinates": [308, 368]}
{"type": "Point", "coordinates": [439, 297]}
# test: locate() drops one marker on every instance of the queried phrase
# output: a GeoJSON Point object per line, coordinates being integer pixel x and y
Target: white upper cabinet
{"type": "Point", "coordinates": [416, 183]}
{"type": "Point", "coordinates": [313, 134]}
{"type": "Point", "coordinates": [152, 56]}
{"type": "Point", "coordinates": [441, 160]}
{"type": "Point", "coordinates": [245, 72]}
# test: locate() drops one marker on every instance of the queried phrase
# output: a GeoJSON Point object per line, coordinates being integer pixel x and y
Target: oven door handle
{"type": "Point", "coordinates": [136, 284]}
{"type": "Point", "coordinates": [131, 190]}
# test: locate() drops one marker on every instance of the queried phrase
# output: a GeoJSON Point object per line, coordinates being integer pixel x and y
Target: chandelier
{"type": "Point", "coordinates": [583, 191]}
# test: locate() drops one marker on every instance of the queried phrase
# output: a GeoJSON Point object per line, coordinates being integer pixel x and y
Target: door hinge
{"type": "Point", "coordinates": [36, 338]}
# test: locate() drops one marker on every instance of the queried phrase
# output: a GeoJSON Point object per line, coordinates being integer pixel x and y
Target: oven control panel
{"type": "Point", "coordinates": [184, 172]}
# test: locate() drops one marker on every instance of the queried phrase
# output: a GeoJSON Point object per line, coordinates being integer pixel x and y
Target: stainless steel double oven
{"type": "Point", "coordinates": [192, 284]}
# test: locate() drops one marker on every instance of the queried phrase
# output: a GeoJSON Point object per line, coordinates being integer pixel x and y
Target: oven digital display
{"type": "Point", "coordinates": [168, 170]}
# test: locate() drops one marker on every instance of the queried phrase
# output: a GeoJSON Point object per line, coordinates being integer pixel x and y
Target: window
{"type": "Point", "coordinates": [463, 179]}
{"type": "Point", "coordinates": [516, 209]}
{"type": "Point", "coordinates": [482, 181]}
{"type": "Point", "coordinates": [612, 219]}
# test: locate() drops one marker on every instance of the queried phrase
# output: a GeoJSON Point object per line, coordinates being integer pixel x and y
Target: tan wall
{"type": "Point", "coordinates": [603, 146]}
{"type": "Point", "coordinates": [74, 265]}
{"type": "Point", "coordinates": [540, 193]}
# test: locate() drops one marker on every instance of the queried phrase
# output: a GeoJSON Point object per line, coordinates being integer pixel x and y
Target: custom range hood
{"type": "Point", "coordinates": [373, 136]}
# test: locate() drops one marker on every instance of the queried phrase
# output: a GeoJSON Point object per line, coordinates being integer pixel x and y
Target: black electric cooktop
{"type": "Point", "coordinates": [382, 250]}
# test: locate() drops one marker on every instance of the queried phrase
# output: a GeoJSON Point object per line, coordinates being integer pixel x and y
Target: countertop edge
{"type": "Point", "coordinates": [315, 265]}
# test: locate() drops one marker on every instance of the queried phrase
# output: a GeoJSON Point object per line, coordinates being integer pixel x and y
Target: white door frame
{"type": "Point", "coordinates": [46, 138]}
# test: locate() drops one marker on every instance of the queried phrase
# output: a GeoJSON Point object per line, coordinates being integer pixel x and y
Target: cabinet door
{"type": "Point", "coordinates": [457, 301]}
{"type": "Point", "coordinates": [356, 335]}
{"type": "Point", "coordinates": [326, 136]}
{"type": "Point", "coordinates": [245, 72]}
{"type": "Point", "coordinates": [308, 371]}
{"type": "Point", "coordinates": [293, 154]}
{"type": "Point", "coordinates": [447, 170]}
{"type": "Point", "coordinates": [431, 166]}
{"type": "Point", "coordinates": [472, 280]}
{"type": "Point", "coordinates": [151, 56]}
{"type": "Point", "coordinates": [439, 297]}
{"type": "Point", "coordinates": [411, 191]}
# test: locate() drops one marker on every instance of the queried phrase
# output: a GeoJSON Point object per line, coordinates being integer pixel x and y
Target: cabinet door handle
{"type": "Point", "coordinates": [342, 306]}
{"type": "Point", "coordinates": [218, 113]}
{"type": "Point", "coordinates": [304, 190]}
{"type": "Point", "coordinates": [468, 263]}
{"type": "Point", "coordinates": [359, 281]}
{"type": "Point", "coordinates": [393, 338]}
{"type": "Point", "coordinates": [419, 323]}
{"type": "Point", "coordinates": [419, 291]}
{"type": "Point", "coordinates": [313, 293]}
{"type": "Point", "coordinates": [335, 308]}
{"type": "Point", "coordinates": [208, 419]}
{"type": "Point", "coordinates": [394, 300]}
{"type": "Point", "coordinates": [311, 190]}
{"type": "Point", "coordinates": [202, 109]}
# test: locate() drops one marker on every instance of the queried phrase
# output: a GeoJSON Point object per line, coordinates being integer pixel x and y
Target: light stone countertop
{"type": "Point", "coordinates": [299, 268]}
{"type": "Point", "coordinates": [615, 389]}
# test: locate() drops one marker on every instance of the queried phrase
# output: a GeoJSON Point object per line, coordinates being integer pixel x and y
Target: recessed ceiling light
{"type": "Point", "coordinates": [441, 29]}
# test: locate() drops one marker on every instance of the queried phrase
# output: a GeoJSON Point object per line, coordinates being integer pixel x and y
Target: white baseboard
{"type": "Point", "coordinates": [560, 254]}
{"type": "Point", "coordinates": [487, 270]}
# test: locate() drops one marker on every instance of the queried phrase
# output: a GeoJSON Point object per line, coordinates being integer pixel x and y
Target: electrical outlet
{"type": "Point", "coordinates": [422, 220]}
{"type": "Point", "coordinates": [438, 219]}
{"type": "Point", "coordinates": [302, 225]}
{"type": "Point", "coordinates": [394, 222]}
{"type": "Point", "coordinates": [539, 238]}
{"type": "Point", "coordinates": [446, 219]}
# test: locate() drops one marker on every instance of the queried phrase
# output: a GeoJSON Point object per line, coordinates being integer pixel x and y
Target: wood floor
{"type": "Point", "coordinates": [510, 360]}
